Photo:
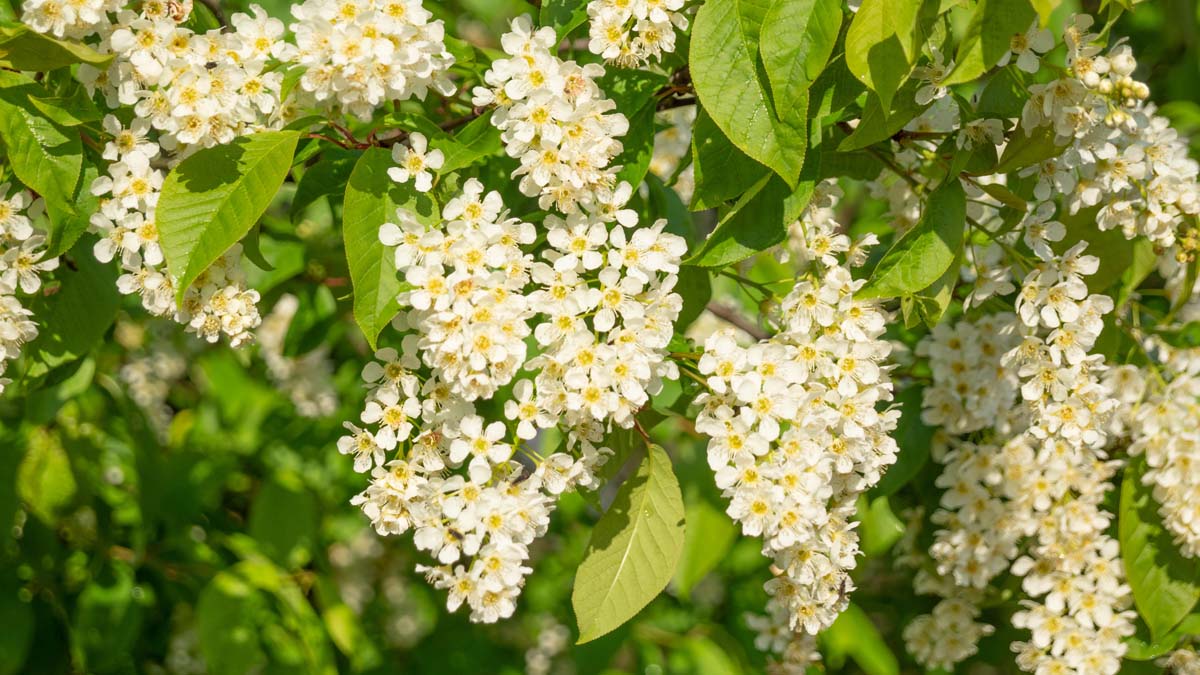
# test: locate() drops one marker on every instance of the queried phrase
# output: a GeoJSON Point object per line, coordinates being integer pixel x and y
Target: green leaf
{"type": "Point", "coordinates": [22, 48]}
{"type": "Point", "coordinates": [45, 481]}
{"type": "Point", "coordinates": [758, 221]}
{"type": "Point", "coordinates": [882, 45]}
{"type": "Point", "coordinates": [724, 68]}
{"type": "Point", "coordinates": [563, 15]}
{"type": "Point", "coordinates": [327, 177]}
{"type": "Point", "coordinates": [709, 535]}
{"type": "Point", "coordinates": [633, 91]}
{"type": "Point", "coordinates": [45, 157]}
{"type": "Point", "coordinates": [798, 37]}
{"type": "Point", "coordinates": [709, 658]}
{"type": "Point", "coordinates": [633, 550]}
{"type": "Point", "coordinates": [1165, 585]}
{"type": "Point", "coordinates": [926, 251]}
{"type": "Point", "coordinates": [879, 528]}
{"type": "Point", "coordinates": [212, 199]}
{"type": "Point", "coordinates": [17, 618]}
{"type": "Point", "coordinates": [1004, 94]}
{"type": "Point", "coordinates": [878, 124]}
{"type": "Point", "coordinates": [1142, 263]}
{"type": "Point", "coordinates": [107, 620]}
{"type": "Point", "coordinates": [226, 622]}
{"type": "Point", "coordinates": [721, 171]}
{"type": "Point", "coordinates": [855, 636]}
{"type": "Point", "coordinates": [989, 37]}
{"type": "Point", "coordinates": [69, 222]}
{"type": "Point", "coordinates": [1026, 150]}
{"type": "Point", "coordinates": [284, 520]}
{"type": "Point", "coordinates": [371, 200]}
{"type": "Point", "coordinates": [1140, 650]}
{"type": "Point", "coordinates": [69, 111]}
{"type": "Point", "coordinates": [74, 318]}
{"type": "Point", "coordinates": [913, 437]}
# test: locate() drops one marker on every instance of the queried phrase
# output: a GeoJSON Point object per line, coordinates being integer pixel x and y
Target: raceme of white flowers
{"type": "Point", "coordinates": [554, 118]}
{"type": "Point", "coordinates": [599, 302]}
{"type": "Point", "coordinates": [218, 302]}
{"type": "Point", "coordinates": [23, 261]}
{"type": "Point", "coordinates": [1163, 429]}
{"type": "Point", "coordinates": [361, 54]}
{"type": "Point", "coordinates": [630, 33]}
{"type": "Point", "coordinates": [796, 431]}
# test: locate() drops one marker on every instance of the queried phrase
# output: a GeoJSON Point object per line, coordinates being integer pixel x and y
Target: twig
{"type": "Point", "coordinates": [731, 315]}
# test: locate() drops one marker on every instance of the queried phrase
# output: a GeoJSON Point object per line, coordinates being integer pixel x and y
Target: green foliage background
{"type": "Point", "coordinates": [231, 537]}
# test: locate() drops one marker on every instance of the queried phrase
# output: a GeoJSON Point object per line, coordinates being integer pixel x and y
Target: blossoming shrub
{"type": "Point", "coordinates": [900, 290]}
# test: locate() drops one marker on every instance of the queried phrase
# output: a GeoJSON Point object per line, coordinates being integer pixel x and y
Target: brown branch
{"type": "Point", "coordinates": [732, 316]}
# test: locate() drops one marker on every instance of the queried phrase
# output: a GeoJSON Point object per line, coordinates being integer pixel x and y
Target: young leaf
{"type": "Point", "coordinates": [327, 177]}
{"type": "Point", "coordinates": [882, 45]}
{"type": "Point", "coordinates": [989, 37]}
{"type": "Point", "coordinates": [925, 252]}
{"type": "Point", "coordinates": [22, 48]}
{"type": "Point", "coordinates": [564, 15]}
{"type": "Point", "coordinates": [798, 37]}
{"type": "Point", "coordinates": [1166, 586]}
{"type": "Point", "coordinates": [633, 91]}
{"type": "Point", "coordinates": [709, 535]}
{"type": "Point", "coordinates": [371, 200]}
{"type": "Point", "coordinates": [212, 199]}
{"type": "Point", "coordinates": [913, 437]}
{"type": "Point", "coordinates": [855, 636]}
{"type": "Point", "coordinates": [633, 550]}
{"type": "Point", "coordinates": [724, 67]}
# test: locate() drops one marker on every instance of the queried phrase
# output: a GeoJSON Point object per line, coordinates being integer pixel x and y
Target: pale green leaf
{"type": "Point", "coordinates": [882, 45]}
{"type": "Point", "coordinates": [211, 200]}
{"type": "Point", "coordinates": [989, 37]}
{"type": "Point", "coordinates": [73, 319]}
{"type": "Point", "coordinates": [855, 636]}
{"type": "Point", "coordinates": [709, 535]}
{"type": "Point", "coordinates": [924, 253]}
{"type": "Point", "coordinates": [1166, 586]}
{"type": "Point", "coordinates": [798, 37]}
{"type": "Point", "coordinates": [45, 481]}
{"type": "Point", "coordinates": [913, 437]}
{"type": "Point", "coordinates": [724, 68]}
{"type": "Point", "coordinates": [22, 48]}
{"type": "Point", "coordinates": [371, 200]}
{"type": "Point", "coordinates": [633, 550]}
{"type": "Point", "coordinates": [1028, 147]}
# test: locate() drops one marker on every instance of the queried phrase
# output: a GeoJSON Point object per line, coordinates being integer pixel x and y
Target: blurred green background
{"type": "Point", "coordinates": [203, 526]}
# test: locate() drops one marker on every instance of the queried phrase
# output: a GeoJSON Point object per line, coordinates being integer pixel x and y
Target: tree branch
{"type": "Point", "coordinates": [732, 316]}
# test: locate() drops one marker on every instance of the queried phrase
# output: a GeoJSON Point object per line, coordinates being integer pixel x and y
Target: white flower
{"type": "Point", "coordinates": [415, 163]}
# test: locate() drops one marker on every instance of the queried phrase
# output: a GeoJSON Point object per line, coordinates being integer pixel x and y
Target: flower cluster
{"type": "Point", "coordinates": [633, 32]}
{"type": "Point", "coordinates": [796, 431]}
{"type": "Point", "coordinates": [307, 379]}
{"type": "Point", "coordinates": [218, 302]}
{"type": "Point", "coordinates": [148, 375]}
{"type": "Point", "coordinates": [947, 635]}
{"type": "Point", "coordinates": [1122, 159]}
{"type": "Point", "coordinates": [195, 90]}
{"type": "Point", "coordinates": [74, 19]}
{"type": "Point", "coordinates": [23, 261]}
{"type": "Point", "coordinates": [360, 54]}
{"type": "Point", "coordinates": [555, 119]}
{"type": "Point", "coordinates": [1164, 430]}
{"type": "Point", "coordinates": [599, 304]}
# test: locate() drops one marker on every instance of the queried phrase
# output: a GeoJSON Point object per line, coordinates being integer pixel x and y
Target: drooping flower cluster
{"type": "Point", "coordinates": [600, 306]}
{"type": "Point", "coordinates": [1165, 431]}
{"type": "Point", "coordinates": [555, 120]}
{"type": "Point", "coordinates": [307, 379]}
{"type": "Point", "coordinates": [633, 32]}
{"type": "Point", "coordinates": [1123, 158]}
{"type": "Point", "coordinates": [1044, 479]}
{"type": "Point", "coordinates": [218, 302]}
{"type": "Point", "coordinates": [23, 261]}
{"type": "Point", "coordinates": [195, 90]}
{"type": "Point", "coordinates": [796, 429]}
{"type": "Point", "coordinates": [360, 54]}
{"type": "Point", "coordinates": [76, 19]}
{"type": "Point", "coordinates": [947, 635]}
{"type": "Point", "coordinates": [154, 366]}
